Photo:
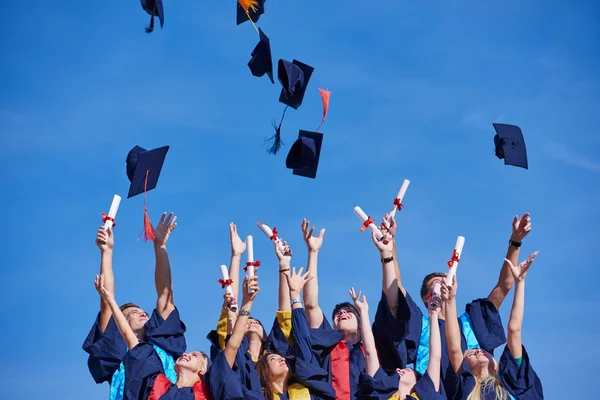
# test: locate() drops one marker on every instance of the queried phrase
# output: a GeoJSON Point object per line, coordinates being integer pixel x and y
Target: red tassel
{"type": "Point", "coordinates": [148, 232]}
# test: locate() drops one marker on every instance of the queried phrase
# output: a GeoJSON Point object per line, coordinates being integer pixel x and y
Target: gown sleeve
{"type": "Point", "coordinates": [280, 338]}
{"type": "Point", "coordinates": [486, 324]}
{"type": "Point", "coordinates": [142, 365]}
{"type": "Point", "coordinates": [223, 381]}
{"type": "Point", "coordinates": [167, 334]}
{"type": "Point", "coordinates": [106, 350]}
{"type": "Point", "coordinates": [521, 381]}
{"type": "Point", "coordinates": [389, 332]}
{"type": "Point", "coordinates": [323, 341]}
{"type": "Point", "coordinates": [381, 386]}
{"type": "Point", "coordinates": [425, 389]}
{"type": "Point", "coordinates": [414, 318]}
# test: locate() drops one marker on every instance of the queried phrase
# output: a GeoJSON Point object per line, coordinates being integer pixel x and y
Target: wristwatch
{"type": "Point", "coordinates": [244, 312]}
{"type": "Point", "coordinates": [515, 244]}
{"type": "Point", "coordinates": [296, 300]}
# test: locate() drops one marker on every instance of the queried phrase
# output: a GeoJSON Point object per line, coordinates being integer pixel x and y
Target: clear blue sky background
{"type": "Point", "coordinates": [415, 89]}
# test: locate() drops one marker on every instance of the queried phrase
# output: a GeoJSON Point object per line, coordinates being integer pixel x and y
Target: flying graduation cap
{"type": "Point", "coordinates": [510, 145]}
{"type": "Point", "coordinates": [303, 157]}
{"type": "Point", "coordinates": [294, 77]}
{"type": "Point", "coordinates": [249, 10]}
{"type": "Point", "coordinates": [261, 62]}
{"type": "Point", "coordinates": [143, 170]}
{"type": "Point", "coordinates": [155, 9]}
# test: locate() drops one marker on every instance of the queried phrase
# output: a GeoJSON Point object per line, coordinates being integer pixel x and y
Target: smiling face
{"type": "Point", "coordinates": [345, 318]}
{"type": "Point", "coordinates": [480, 362]}
{"type": "Point", "coordinates": [195, 362]}
{"type": "Point", "coordinates": [136, 317]}
{"type": "Point", "coordinates": [408, 379]}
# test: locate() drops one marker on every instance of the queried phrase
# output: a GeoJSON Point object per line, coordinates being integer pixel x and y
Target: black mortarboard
{"type": "Point", "coordinates": [255, 15]}
{"type": "Point", "coordinates": [510, 145]}
{"type": "Point", "coordinates": [294, 77]}
{"type": "Point", "coordinates": [141, 161]}
{"type": "Point", "coordinates": [155, 9]}
{"type": "Point", "coordinates": [261, 62]}
{"type": "Point", "coordinates": [304, 154]}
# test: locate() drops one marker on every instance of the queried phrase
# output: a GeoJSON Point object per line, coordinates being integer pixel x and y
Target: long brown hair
{"type": "Point", "coordinates": [264, 374]}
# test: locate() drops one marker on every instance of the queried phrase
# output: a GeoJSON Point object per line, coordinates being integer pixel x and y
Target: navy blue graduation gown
{"type": "Point", "coordinates": [107, 349]}
{"type": "Point", "coordinates": [380, 386]}
{"type": "Point", "coordinates": [223, 381]}
{"type": "Point", "coordinates": [520, 381]}
{"type": "Point", "coordinates": [144, 378]}
{"type": "Point", "coordinates": [425, 389]}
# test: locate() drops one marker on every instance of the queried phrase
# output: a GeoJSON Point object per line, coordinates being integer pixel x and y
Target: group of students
{"type": "Point", "coordinates": [404, 354]}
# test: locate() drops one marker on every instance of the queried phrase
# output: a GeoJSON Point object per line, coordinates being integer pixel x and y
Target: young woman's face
{"type": "Point", "coordinates": [254, 326]}
{"type": "Point", "coordinates": [479, 360]}
{"type": "Point", "coordinates": [408, 378]}
{"type": "Point", "coordinates": [277, 365]}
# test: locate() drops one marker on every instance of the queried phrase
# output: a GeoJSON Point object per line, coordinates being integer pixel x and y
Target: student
{"type": "Point", "coordinates": [164, 329]}
{"type": "Point", "coordinates": [145, 377]}
{"type": "Point", "coordinates": [404, 384]}
{"type": "Point", "coordinates": [481, 325]}
{"type": "Point", "coordinates": [477, 376]}
{"type": "Point", "coordinates": [339, 348]}
{"type": "Point", "coordinates": [296, 374]}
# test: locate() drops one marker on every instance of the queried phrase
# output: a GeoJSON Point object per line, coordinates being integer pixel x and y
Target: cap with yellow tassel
{"type": "Point", "coordinates": [143, 170]}
{"type": "Point", "coordinates": [249, 10]}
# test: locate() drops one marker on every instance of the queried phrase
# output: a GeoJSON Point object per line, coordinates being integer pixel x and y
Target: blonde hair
{"type": "Point", "coordinates": [489, 384]}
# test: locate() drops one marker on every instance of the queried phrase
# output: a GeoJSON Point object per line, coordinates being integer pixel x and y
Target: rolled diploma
{"type": "Point", "coordinates": [267, 230]}
{"type": "Point", "coordinates": [112, 212]}
{"type": "Point", "coordinates": [250, 258]}
{"type": "Point", "coordinates": [400, 196]}
{"type": "Point", "coordinates": [363, 217]}
{"type": "Point", "coordinates": [460, 243]}
{"type": "Point", "coordinates": [228, 289]}
{"type": "Point", "coordinates": [437, 292]}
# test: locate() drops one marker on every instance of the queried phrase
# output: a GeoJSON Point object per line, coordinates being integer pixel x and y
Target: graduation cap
{"type": "Point", "coordinates": [143, 170]}
{"type": "Point", "coordinates": [304, 154]}
{"type": "Point", "coordinates": [249, 10]}
{"type": "Point", "coordinates": [261, 62]}
{"type": "Point", "coordinates": [294, 77]}
{"type": "Point", "coordinates": [510, 145]}
{"type": "Point", "coordinates": [155, 9]}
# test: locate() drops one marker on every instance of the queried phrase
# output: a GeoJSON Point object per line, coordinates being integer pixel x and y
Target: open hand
{"type": "Point", "coordinates": [360, 304]}
{"type": "Point", "coordinates": [237, 246]}
{"type": "Point", "coordinates": [313, 243]}
{"type": "Point", "coordinates": [99, 283]}
{"type": "Point", "coordinates": [163, 230]}
{"type": "Point", "coordinates": [521, 226]}
{"type": "Point", "coordinates": [520, 271]}
{"type": "Point", "coordinates": [296, 281]}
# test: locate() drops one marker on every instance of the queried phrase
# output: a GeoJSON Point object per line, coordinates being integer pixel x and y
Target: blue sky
{"type": "Point", "coordinates": [415, 89]}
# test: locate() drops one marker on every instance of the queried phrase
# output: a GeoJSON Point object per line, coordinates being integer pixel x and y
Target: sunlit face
{"type": "Point", "coordinates": [408, 378]}
{"type": "Point", "coordinates": [254, 327]}
{"type": "Point", "coordinates": [136, 317]}
{"type": "Point", "coordinates": [277, 365]}
{"type": "Point", "coordinates": [480, 361]}
{"type": "Point", "coordinates": [195, 362]}
{"type": "Point", "coordinates": [345, 320]}
{"type": "Point", "coordinates": [430, 284]}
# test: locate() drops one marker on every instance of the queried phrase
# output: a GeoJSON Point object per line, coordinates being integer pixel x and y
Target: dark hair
{"type": "Point", "coordinates": [128, 305]}
{"type": "Point", "coordinates": [345, 304]}
{"type": "Point", "coordinates": [264, 338]}
{"type": "Point", "coordinates": [425, 286]}
{"type": "Point", "coordinates": [264, 374]}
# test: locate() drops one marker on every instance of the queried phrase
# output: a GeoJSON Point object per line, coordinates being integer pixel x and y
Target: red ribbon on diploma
{"type": "Point", "coordinates": [107, 218]}
{"type": "Point", "coordinates": [224, 283]}
{"type": "Point", "coordinates": [274, 236]}
{"type": "Point", "coordinates": [366, 224]}
{"type": "Point", "coordinates": [398, 203]}
{"type": "Point", "coordinates": [252, 264]}
{"type": "Point", "coordinates": [453, 259]}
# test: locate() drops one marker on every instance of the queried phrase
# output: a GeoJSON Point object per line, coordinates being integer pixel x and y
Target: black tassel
{"type": "Point", "coordinates": [150, 28]}
{"type": "Point", "coordinates": [276, 139]}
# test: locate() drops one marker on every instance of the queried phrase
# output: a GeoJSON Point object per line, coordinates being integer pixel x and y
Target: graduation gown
{"type": "Point", "coordinates": [145, 378]}
{"type": "Point", "coordinates": [521, 381]}
{"type": "Point", "coordinates": [345, 362]}
{"type": "Point", "coordinates": [373, 388]}
{"type": "Point", "coordinates": [480, 325]}
{"type": "Point", "coordinates": [107, 349]}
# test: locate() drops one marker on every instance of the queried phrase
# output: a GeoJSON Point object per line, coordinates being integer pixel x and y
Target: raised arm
{"type": "Point", "coordinates": [435, 346]}
{"type": "Point", "coordinates": [389, 283]}
{"type": "Point", "coordinates": [514, 341]}
{"type": "Point", "coordinates": [285, 260]}
{"type": "Point", "coordinates": [311, 290]}
{"type": "Point", "coordinates": [237, 250]}
{"type": "Point", "coordinates": [105, 242]}
{"type": "Point", "coordinates": [371, 358]}
{"type": "Point", "coordinates": [388, 225]}
{"type": "Point", "coordinates": [453, 337]}
{"type": "Point", "coordinates": [128, 335]}
{"type": "Point", "coordinates": [521, 226]}
{"type": "Point", "coordinates": [300, 328]}
{"type": "Point", "coordinates": [162, 270]}
{"type": "Point", "coordinates": [239, 329]}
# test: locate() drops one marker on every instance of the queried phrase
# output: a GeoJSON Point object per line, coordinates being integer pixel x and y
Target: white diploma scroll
{"type": "Point", "coordinates": [273, 237]}
{"type": "Point", "coordinates": [399, 197]}
{"type": "Point", "coordinates": [250, 259]}
{"type": "Point", "coordinates": [228, 289]}
{"type": "Point", "coordinates": [436, 296]}
{"type": "Point", "coordinates": [363, 217]}
{"type": "Point", "coordinates": [109, 220]}
{"type": "Point", "coordinates": [453, 263]}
